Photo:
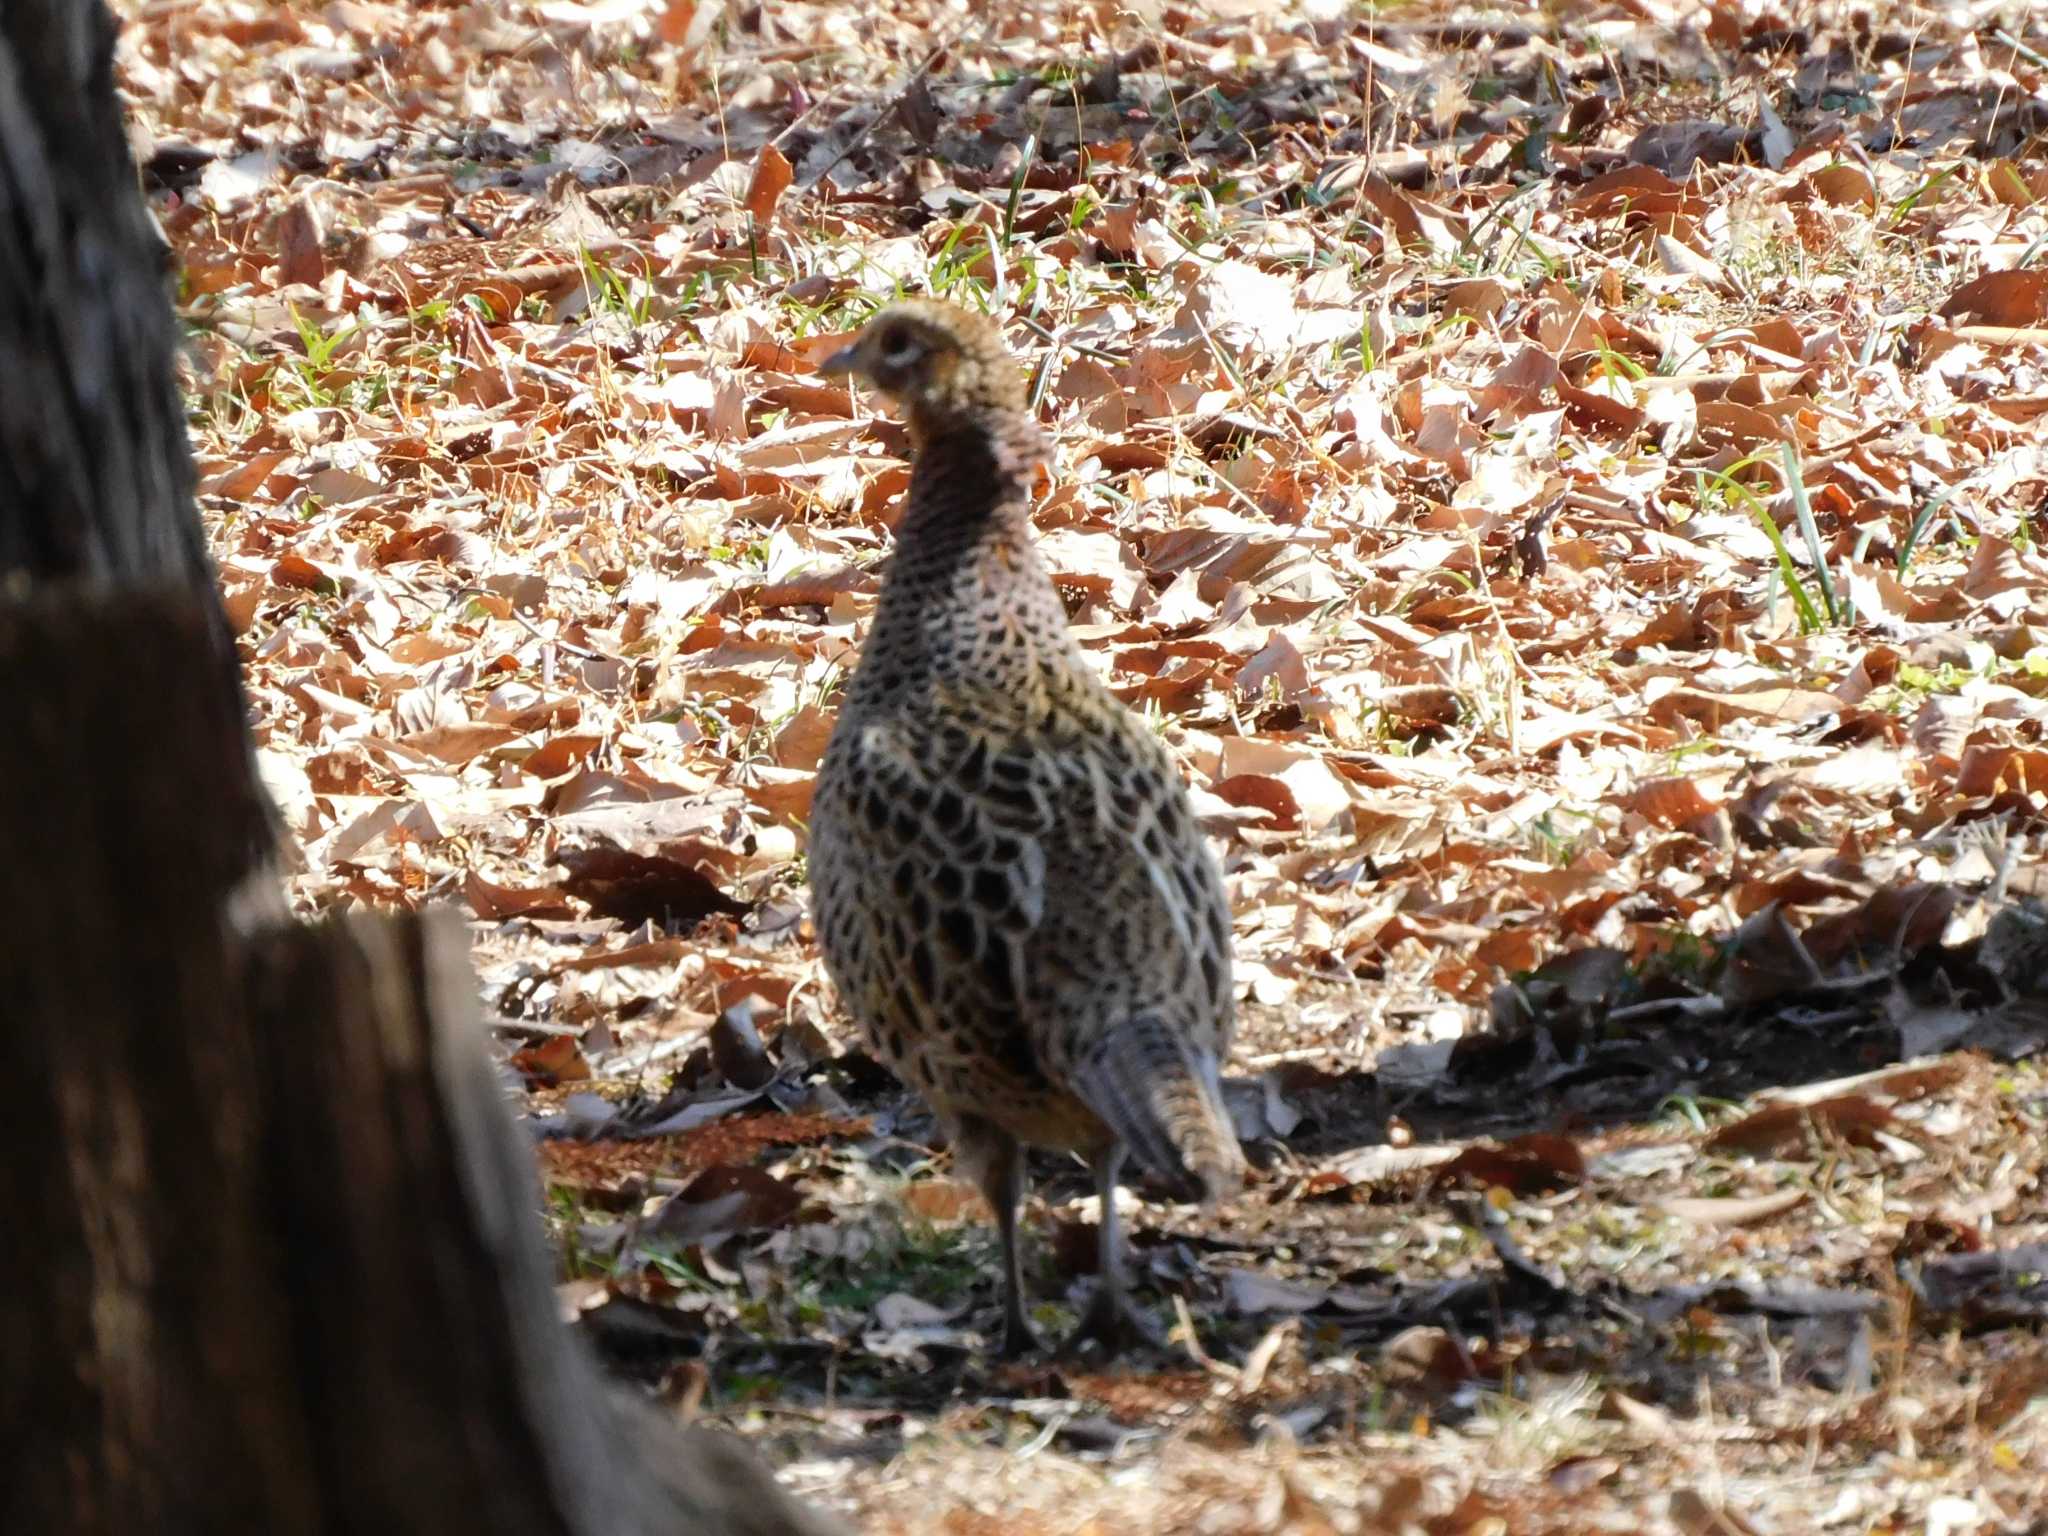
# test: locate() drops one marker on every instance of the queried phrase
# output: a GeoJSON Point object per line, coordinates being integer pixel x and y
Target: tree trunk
{"type": "Point", "coordinates": [271, 1260]}
{"type": "Point", "coordinates": [96, 475]}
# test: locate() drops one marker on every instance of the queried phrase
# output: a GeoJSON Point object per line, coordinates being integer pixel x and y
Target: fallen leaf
{"type": "Point", "coordinates": [643, 888]}
{"type": "Point", "coordinates": [1778, 1128]}
{"type": "Point", "coordinates": [2018, 296]}
{"type": "Point", "coordinates": [1731, 1210]}
{"type": "Point", "coordinates": [772, 177]}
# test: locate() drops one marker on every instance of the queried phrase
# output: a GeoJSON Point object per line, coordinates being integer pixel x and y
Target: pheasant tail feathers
{"type": "Point", "coordinates": [1157, 1093]}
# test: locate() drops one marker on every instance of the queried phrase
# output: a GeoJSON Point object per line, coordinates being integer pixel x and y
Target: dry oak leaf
{"type": "Point", "coordinates": [493, 902]}
{"type": "Point", "coordinates": [772, 177]}
{"type": "Point", "coordinates": [1672, 802]}
{"type": "Point", "coordinates": [724, 1199]}
{"type": "Point", "coordinates": [1714, 709]}
{"type": "Point", "coordinates": [637, 888]}
{"type": "Point", "coordinates": [1526, 1165]}
{"type": "Point", "coordinates": [1731, 1210]}
{"type": "Point", "coordinates": [2017, 297]}
{"type": "Point", "coordinates": [555, 1060]}
{"type": "Point", "coordinates": [673, 26]}
{"type": "Point", "coordinates": [1844, 186]}
{"type": "Point", "coordinates": [1783, 1127]}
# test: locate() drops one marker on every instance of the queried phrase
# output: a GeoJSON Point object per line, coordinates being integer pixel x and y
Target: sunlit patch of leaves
{"type": "Point", "coordinates": [1422, 503]}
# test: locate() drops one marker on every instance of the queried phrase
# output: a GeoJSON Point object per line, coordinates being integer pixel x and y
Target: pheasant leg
{"type": "Point", "coordinates": [992, 1157]}
{"type": "Point", "coordinates": [1111, 1324]}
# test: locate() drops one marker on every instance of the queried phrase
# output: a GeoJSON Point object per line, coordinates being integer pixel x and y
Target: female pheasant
{"type": "Point", "coordinates": [1012, 893]}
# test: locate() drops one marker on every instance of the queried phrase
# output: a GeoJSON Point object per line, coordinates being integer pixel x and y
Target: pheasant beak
{"type": "Point", "coordinates": [846, 361]}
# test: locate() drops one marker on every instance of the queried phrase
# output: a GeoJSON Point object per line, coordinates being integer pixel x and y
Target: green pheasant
{"type": "Point", "coordinates": [1012, 893]}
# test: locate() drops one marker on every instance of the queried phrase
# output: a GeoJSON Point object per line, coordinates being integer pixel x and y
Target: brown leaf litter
{"type": "Point", "coordinates": [1568, 489]}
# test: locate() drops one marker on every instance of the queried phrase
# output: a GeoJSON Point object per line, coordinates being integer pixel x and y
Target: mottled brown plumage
{"type": "Point", "coordinates": [1011, 890]}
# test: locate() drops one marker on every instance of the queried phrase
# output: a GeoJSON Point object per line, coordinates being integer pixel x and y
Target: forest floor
{"type": "Point", "coordinates": [1569, 484]}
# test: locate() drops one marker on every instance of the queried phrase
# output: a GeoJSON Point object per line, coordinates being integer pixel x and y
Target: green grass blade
{"type": "Point", "coordinates": [1802, 508]}
{"type": "Point", "coordinates": [1925, 516]}
{"type": "Point", "coordinates": [1017, 186]}
{"type": "Point", "coordinates": [1809, 614]}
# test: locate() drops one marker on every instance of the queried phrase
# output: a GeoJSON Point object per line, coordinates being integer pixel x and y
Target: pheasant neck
{"type": "Point", "coordinates": [972, 478]}
{"type": "Point", "coordinates": [964, 564]}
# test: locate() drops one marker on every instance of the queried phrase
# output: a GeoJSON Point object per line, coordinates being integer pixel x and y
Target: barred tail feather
{"type": "Point", "coordinates": [1158, 1094]}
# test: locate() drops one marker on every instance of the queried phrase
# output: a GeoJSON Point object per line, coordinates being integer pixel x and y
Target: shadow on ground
{"type": "Point", "coordinates": [1673, 1181]}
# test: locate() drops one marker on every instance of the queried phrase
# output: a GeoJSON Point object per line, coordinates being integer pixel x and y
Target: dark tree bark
{"type": "Point", "coordinates": [96, 475]}
{"type": "Point", "coordinates": [271, 1262]}
{"type": "Point", "coordinates": [93, 431]}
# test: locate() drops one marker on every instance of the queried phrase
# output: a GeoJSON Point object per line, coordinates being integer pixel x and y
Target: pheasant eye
{"type": "Point", "coordinates": [900, 349]}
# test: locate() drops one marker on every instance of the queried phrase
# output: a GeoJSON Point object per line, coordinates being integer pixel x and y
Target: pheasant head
{"type": "Point", "coordinates": [943, 365]}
